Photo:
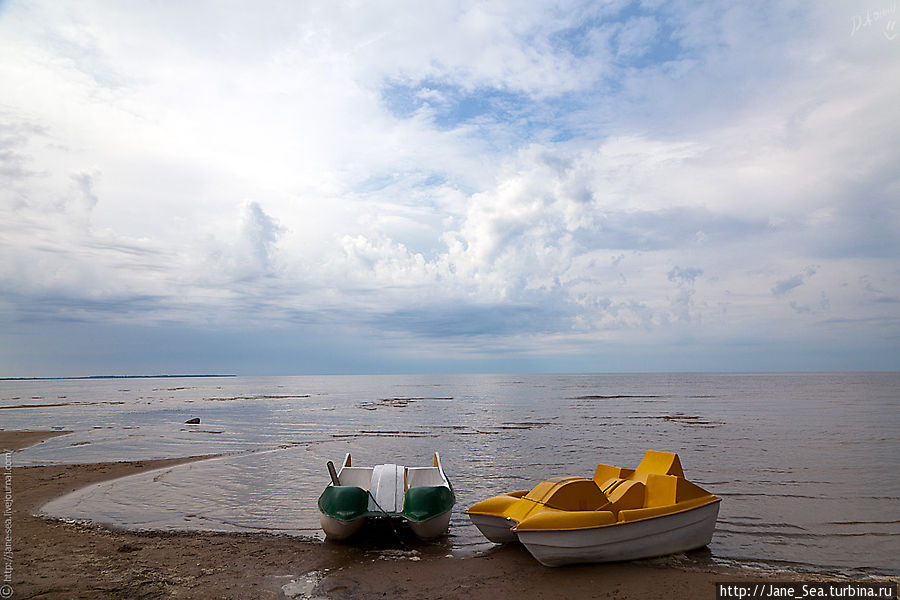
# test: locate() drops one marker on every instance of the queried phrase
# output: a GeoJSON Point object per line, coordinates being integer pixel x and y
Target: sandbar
{"type": "Point", "coordinates": [16, 440]}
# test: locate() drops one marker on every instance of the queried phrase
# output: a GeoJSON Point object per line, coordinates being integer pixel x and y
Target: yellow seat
{"type": "Point", "coordinates": [661, 463]}
{"type": "Point", "coordinates": [625, 496]}
{"type": "Point", "coordinates": [661, 490]}
{"type": "Point", "coordinates": [604, 473]}
{"type": "Point", "coordinates": [568, 493]}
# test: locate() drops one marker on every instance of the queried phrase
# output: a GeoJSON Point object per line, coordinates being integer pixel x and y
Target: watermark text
{"type": "Point", "coordinates": [884, 19]}
{"type": "Point", "coordinates": [805, 589]}
{"type": "Point", "coordinates": [6, 590]}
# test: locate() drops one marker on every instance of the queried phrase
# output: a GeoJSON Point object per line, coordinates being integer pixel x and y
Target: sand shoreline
{"type": "Point", "coordinates": [57, 559]}
{"type": "Point", "coordinates": [16, 440]}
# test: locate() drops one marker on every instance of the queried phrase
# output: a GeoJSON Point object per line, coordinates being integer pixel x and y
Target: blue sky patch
{"type": "Point", "coordinates": [486, 109]}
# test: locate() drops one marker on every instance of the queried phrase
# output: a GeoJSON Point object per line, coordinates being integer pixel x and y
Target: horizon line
{"type": "Point", "coordinates": [160, 376]}
{"type": "Point", "coordinates": [231, 375]}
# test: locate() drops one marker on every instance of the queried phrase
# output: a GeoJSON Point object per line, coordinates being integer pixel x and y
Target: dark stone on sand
{"type": "Point", "coordinates": [194, 421]}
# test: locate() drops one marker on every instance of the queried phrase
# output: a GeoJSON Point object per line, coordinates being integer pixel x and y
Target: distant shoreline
{"type": "Point", "coordinates": [110, 377]}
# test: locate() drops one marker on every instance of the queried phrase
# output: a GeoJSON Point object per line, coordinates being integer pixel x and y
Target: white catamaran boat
{"type": "Point", "coordinates": [421, 496]}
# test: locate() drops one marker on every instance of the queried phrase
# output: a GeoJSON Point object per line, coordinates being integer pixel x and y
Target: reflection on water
{"type": "Point", "coordinates": [806, 464]}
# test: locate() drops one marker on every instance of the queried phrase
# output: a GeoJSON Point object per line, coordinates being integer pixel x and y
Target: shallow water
{"type": "Point", "coordinates": [805, 463]}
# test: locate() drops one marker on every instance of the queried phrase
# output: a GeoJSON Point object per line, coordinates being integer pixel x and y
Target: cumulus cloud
{"type": "Point", "coordinates": [571, 172]}
{"type": "Point", "coordinates": [687, 275]}
{"type": "Point", "coordinates": [256, 243]}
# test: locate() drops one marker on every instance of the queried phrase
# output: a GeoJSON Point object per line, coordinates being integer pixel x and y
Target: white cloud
{"type": "Point", "coordinates": [574, 172]}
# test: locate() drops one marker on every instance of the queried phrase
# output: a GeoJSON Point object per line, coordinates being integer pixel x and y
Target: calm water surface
{"type": "Point", "coordinates": [806, 464]}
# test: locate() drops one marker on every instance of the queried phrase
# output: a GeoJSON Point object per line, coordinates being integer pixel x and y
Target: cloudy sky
{"type": "Point", "coordinates": [340, 187]}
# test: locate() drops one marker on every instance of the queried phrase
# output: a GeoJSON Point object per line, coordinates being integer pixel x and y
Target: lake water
{"type": "Point", "coordinates": [806, 464]}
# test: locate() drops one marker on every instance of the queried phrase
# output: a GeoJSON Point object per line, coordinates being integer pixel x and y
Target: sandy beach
{"type": "Point", "coordinates": [56, 559]}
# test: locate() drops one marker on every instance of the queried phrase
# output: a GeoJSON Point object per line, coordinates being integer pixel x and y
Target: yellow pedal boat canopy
{"type": "Point", "coordinates": [612, 496]}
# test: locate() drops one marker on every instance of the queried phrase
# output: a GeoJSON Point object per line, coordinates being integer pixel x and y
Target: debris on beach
{"type": "Point", "coordinates": [303, 587]}
{"type": "Point", "coordinates": [399, 555]}
{"type": "Point", "coordinates": [194, 421]}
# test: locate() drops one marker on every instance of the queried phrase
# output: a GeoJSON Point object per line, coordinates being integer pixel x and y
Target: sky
{"type": "Point", "coordinates": [448, 186]}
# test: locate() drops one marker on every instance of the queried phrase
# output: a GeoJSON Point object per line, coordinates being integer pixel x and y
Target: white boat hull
{"type": "Point", "coordinates": [432, 528]}
{"type": "Point", "coordinates": [340, 530]}
{"type": "Point", "coordinates": [496, 529]}
{"type": "Point", "coordinates": [678, 532]}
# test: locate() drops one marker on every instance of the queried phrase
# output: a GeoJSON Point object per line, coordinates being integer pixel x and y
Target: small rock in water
{"type": "Point", "coordinates": [194, 421]}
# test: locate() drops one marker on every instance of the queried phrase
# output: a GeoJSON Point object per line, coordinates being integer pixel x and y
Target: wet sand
{"type": "Point", "coordinates": [56, 559]}
{"type": "Point", "coordinates": [16, 440]}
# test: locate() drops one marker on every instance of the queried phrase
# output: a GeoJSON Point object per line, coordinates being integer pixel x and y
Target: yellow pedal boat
{"type": "Point", "coordinates": [619, 514]}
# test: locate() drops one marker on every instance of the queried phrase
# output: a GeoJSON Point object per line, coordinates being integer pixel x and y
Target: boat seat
{"type": "Point", "coordinates": [608, 485]}
{"type": "Point", "coordinates": [567, 493]}
{"type": "Point", "coordinates": [662, 490]}
{"type": "Point", "coordinates": [358, 476]}
{"type": "Point", "coordinates": [423, 476]}
{"type": "Point", "coordinates": [627, 495]}
{"type": "Point", "coordinates": [661, 463]}
{"type": "Point", "coordinates": [606, 472]}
